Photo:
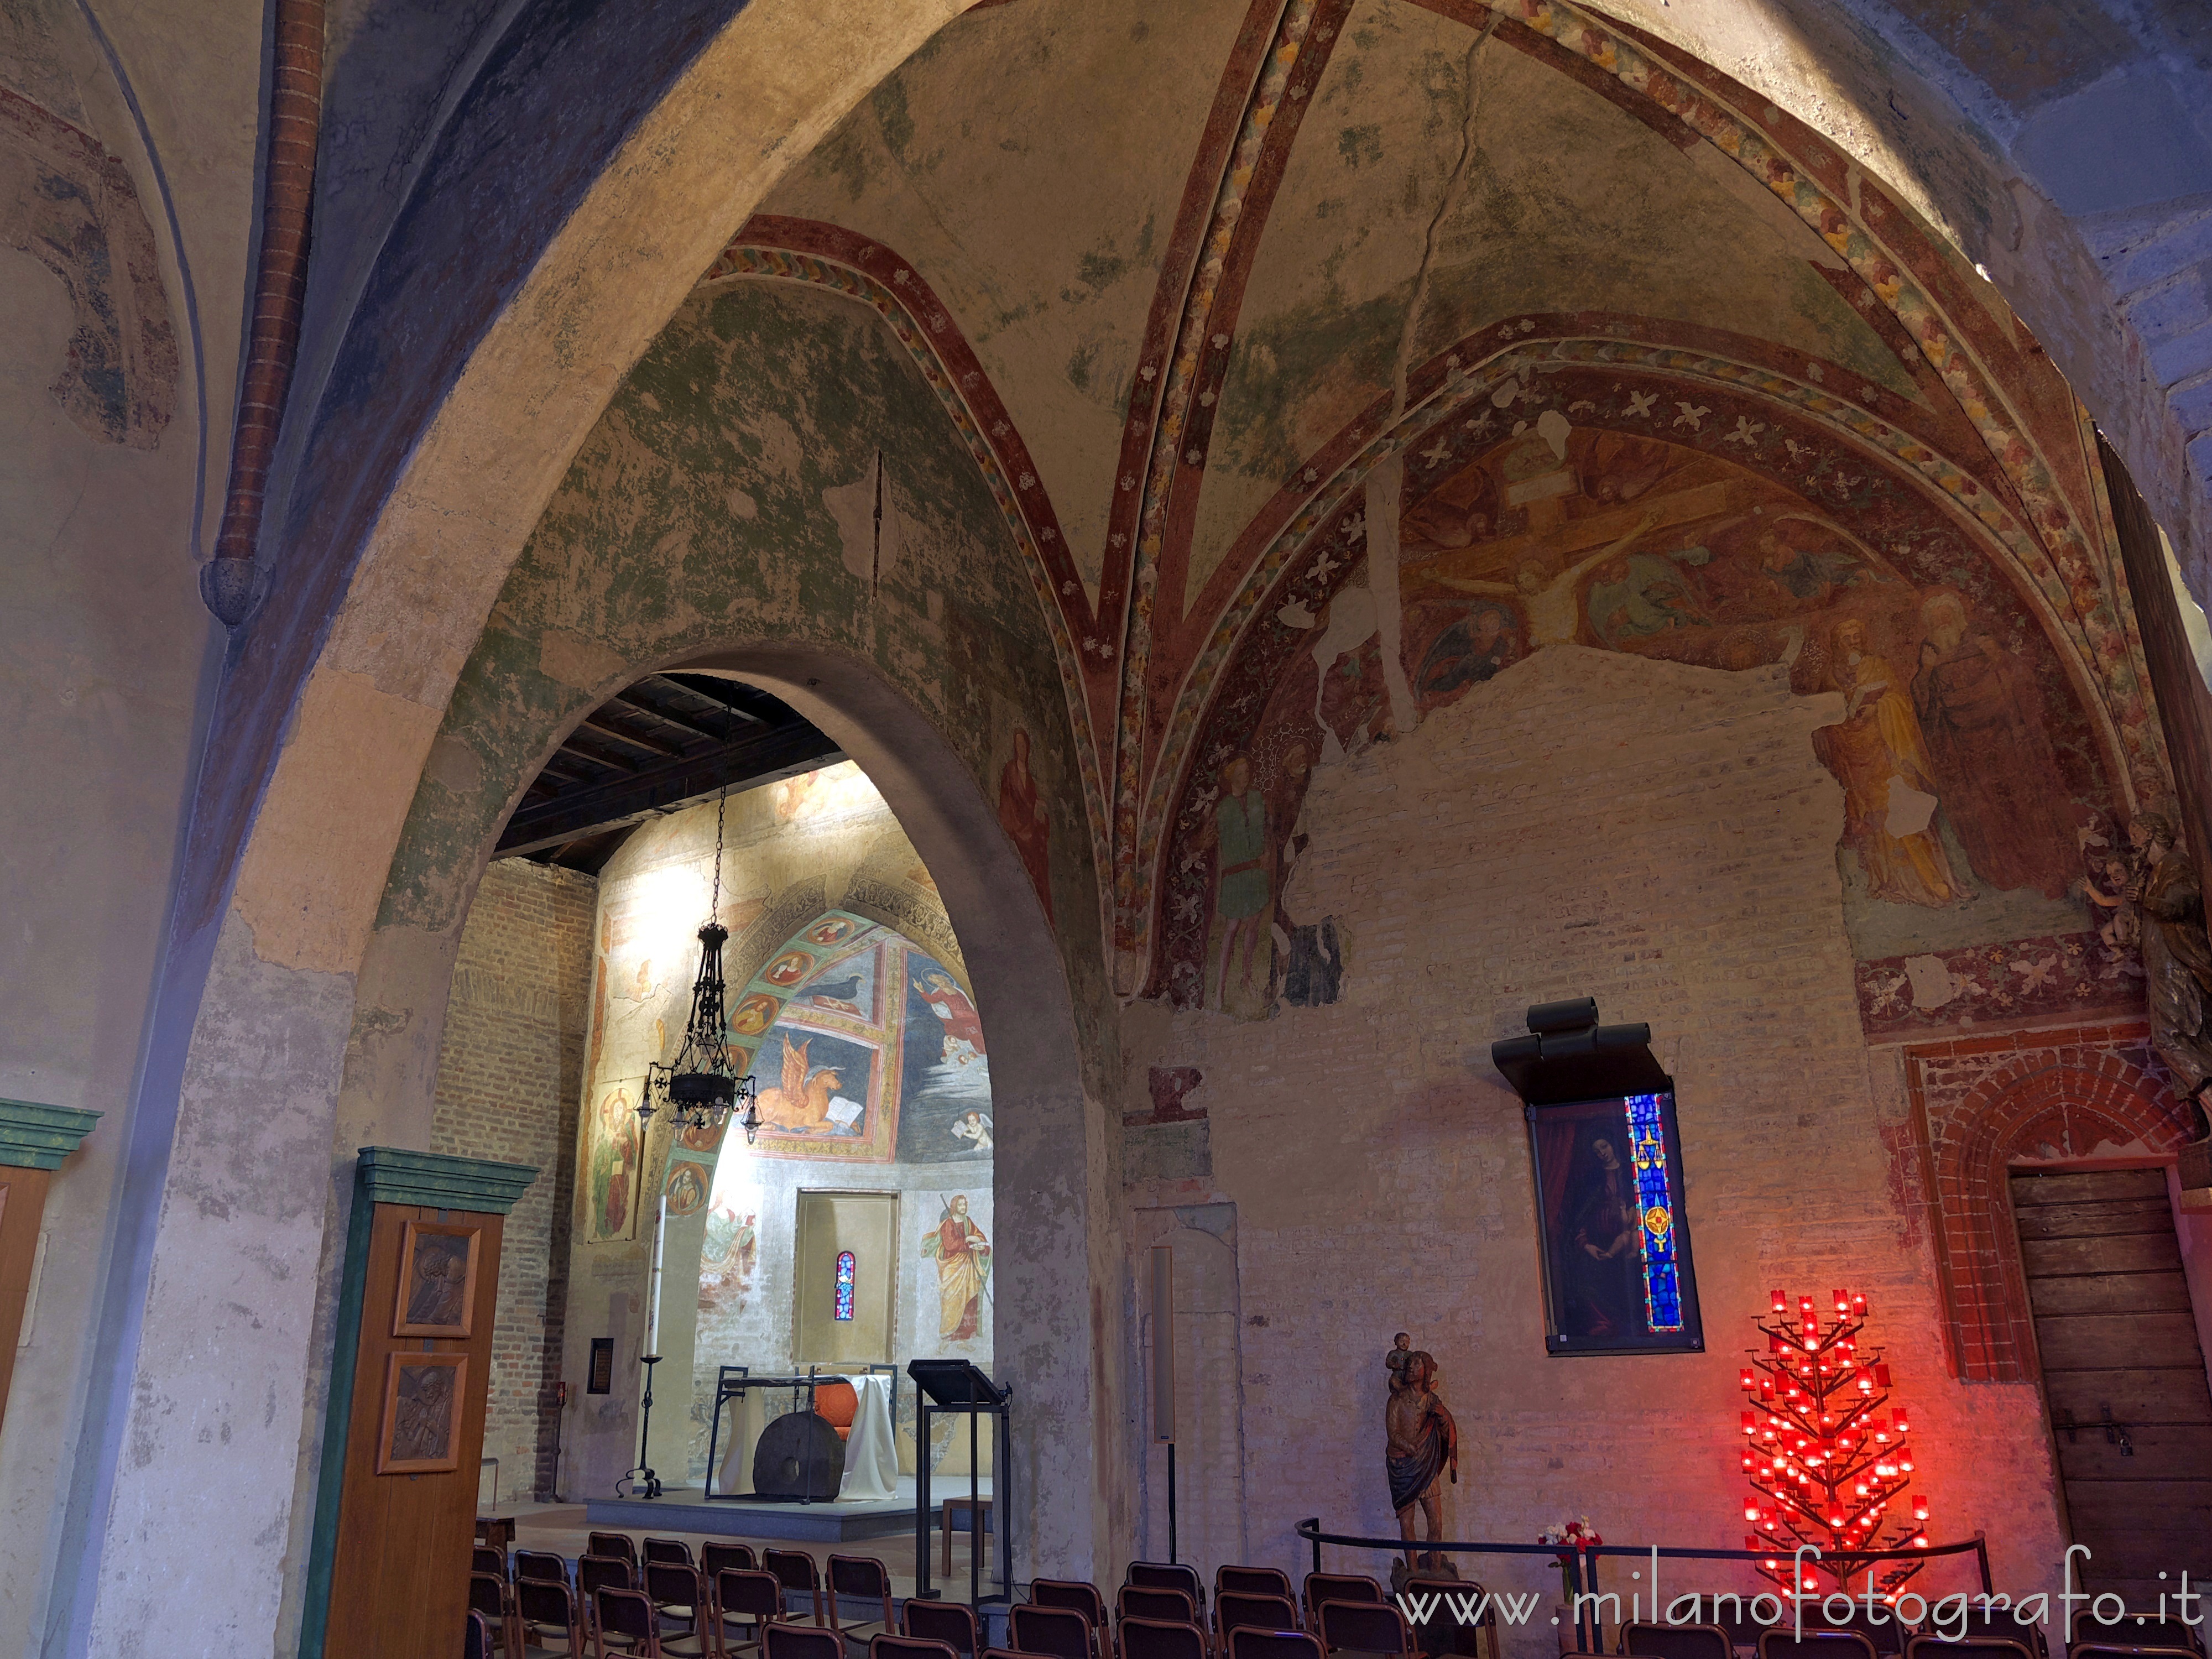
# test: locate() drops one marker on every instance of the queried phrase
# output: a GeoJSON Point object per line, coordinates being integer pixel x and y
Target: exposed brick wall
{"type": "Point", "coordinates": [510, 1073]}
{"type": "Point", "coordinates": [1981, 1104]}
{"type": "Point", "coordinates": [1662, 838]}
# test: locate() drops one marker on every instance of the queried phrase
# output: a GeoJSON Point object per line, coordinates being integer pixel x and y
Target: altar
{"type": "Point", "coordinates": [747, 1404]}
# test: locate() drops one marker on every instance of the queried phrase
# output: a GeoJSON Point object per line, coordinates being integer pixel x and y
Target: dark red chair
{"type": "Point", "coordinates": [545, 1611]}
{"type": "Point", "coordinates": [624, 1617]}
{"type": "Point", "coordinates": [1233, 1609]}
{"type": "Point", "coordinates": [1157, 1603]}
{"type": "Point", "coordinates": [1442, 1633]}
{"type": "Point", "coordinates": [795, 1570]}
{"type": "Point", "coordinates": [713, 1557]}
{"type": "Point", "coordinates": [861, 1578]}
{"type": "Point", "coordinates": [541, 1564]}
{"type": "Point", "coordinates": [488, 1595]}
{"type": "Point", "coordinates": [678, 1591]}
{"type": "Point", "coordinates": [1246, 1641]}
{"type": "Point", "coordinates": [1365, 1627]}
{"type": "Point", "coordinates": [782, 1640]}
{"type": "Point", "coordinates": [674, 1550]}
{"type": "Point", "coordinates": [595, 1573]}
{"type": "Point", "coordinates": [885, 1646]}
{"type": "Point", "coordinates": [1170, 1575]}
{"type": "Point", "coordinates": [1055, 1633]}
{"type": "Point", "coordinates": [1080, 1597]}
{"type": "Point", "coordinates": [1652, 1640]}
{"type": "Point", "coordinates": [616, 1544]}
{"type": "Point", "coordinates": [1161, 1639]}
{"type": "Point", "coordinates": [952, 1622]}
{"type": "Point", "coordinates": [1782, 1643]}
{"type": "Point", "coordinates": [476, 1643]}
{"type": "Point", "coordinates": [745, 1596]}
{"type": "Point", "coordinates": [1321, 1586]}
{"type": "Point", "coordinates": [1252, 1581]}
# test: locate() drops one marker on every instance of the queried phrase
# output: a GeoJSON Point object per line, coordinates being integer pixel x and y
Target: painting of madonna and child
{"type": "Point", "coordinates": [1976, 798]}
{"type": "Point", "coordinates": [870, 1050]}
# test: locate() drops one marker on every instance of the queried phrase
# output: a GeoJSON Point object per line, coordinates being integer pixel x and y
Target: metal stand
{"type": "Point", "coordinates": [955, 1386]}
{"type": "Point", "coordinates": [651, 1486]}
{"type": "Point", "coordinates": [1172, 1518]}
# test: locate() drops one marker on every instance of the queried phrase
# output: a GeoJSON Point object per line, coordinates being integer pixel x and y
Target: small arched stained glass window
{"type": "Point", "coordinates": [846, 1264]}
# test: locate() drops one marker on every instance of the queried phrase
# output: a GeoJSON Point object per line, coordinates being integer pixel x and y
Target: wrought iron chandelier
{"type": "Point", "coordinates": [706, 1081]}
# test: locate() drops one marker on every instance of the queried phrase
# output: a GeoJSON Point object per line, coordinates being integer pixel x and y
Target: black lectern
{"type": "Point", "coordinates": [956, 1386]}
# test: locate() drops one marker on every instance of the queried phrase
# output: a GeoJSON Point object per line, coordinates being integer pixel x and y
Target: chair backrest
{"type": "Point", "coordinates": [1155, 1602]}
{"type": "Point", "coordinates": [1365, 1627]}
{"type": "Point", "coordinates": [627, 1613]}
{"type": "Point", "coordinates": [1653, 1640]}
{"type": "Point", "coordinates": [1321, 1586]}
{"type": "Point", "coordinates": [1070, 1593]}
{"type": "Point", "coordinates": [2135, 1630]}
{"type": "Point", "coordinates": [483, 1559]}
{"type": "Point", "coordinates": [948, 1622]}
{"type": "Point", "coordinates": [793, 1569]}
{"type": "Point", "coordinates": [1782, 1643]}
{"type": "Point", "coordinates": [488, 1594]}
{"type": "Point", "coordinates": [1247, 1643]}
{"type": "Point", "coordinates": [1442, 1633]}
{"type": "Point", "coordinates": [541, 1564]}
{"type": "Point", "coordinates": [675, 1584]}
{"type": "Point", "coordinates": [782, 1641]}
{"type": "Point", "coordinates": [1170, 1575]}
{"type": "Point", "coordinates": [597, 1572]}
{"type": "Point", "coordinates": [476, 1644]}
{"type": "Point", "coordinates": [887, 1646]}
{"type": "Point", "coordinates": [2114, 1651]}
{"type": "Point", "coordinates": [744, 1593]}
{"type": "Point", "coordinates": [863, 1577]}
{"type": "Point", "coordinates": [1161, 1638]}
{"type": "Point", "coordinates": [1252, 1581]}
{"type": "Point", "coordinates": [542, 1601]}
{"type": "Point", "coordinates": [1731, 1612]}
{"type": "Point", "coordinates": [1059, 1632]}
{"type": "Point", "coordinates": [1994, 1647]}
{"type": "Point", "coordinates": [1232, 1609]}
{"type": "Point", "coordinates": [713, 1558]}
{"type": "Point", "coordinates": [616, 1544]}
{"type": "Point", "coordinates": [1888, 1636]}
{"type": "Point", "coordinates": [668, 1549]}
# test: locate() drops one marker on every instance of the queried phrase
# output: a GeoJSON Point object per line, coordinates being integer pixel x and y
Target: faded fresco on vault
{"type": "Point", "coordinates": [1587, 508]}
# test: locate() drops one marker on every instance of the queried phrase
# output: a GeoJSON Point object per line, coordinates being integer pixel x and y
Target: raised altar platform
{"type": "Point", "coordinates": [681, 1510]}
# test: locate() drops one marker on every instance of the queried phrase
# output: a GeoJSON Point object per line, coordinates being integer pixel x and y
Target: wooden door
{"type": "Point", "coordinates": [2123, 1374]}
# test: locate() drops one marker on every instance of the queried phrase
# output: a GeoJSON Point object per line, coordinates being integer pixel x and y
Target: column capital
{"type": "Point", "coordinates": [35, 1137]}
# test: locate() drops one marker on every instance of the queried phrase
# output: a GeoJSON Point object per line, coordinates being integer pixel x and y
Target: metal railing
{"type": "Point", "coordinates": [1580, 1561]}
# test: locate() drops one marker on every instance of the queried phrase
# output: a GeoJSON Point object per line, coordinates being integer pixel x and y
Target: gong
{"type": "Point", "coordinates": [798, 1455]}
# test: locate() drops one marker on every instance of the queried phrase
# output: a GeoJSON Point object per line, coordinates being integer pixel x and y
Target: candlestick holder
{"type": "Point", "coordinates": [650, 1487]}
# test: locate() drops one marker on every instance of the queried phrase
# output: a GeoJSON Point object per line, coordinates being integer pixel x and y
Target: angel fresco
{"type": "Point", "coordinates": [614, 1166]}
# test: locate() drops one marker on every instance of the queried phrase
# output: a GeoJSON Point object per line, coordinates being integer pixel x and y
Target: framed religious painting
{"type": "Point", "coordinates": [420, 1431]}
{"type": "Point", "coordinates": [1614, 1239]}
{"type": "Point", "coordinates": [437, 1294]}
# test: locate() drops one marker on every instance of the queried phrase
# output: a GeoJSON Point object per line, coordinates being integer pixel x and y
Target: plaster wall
{"type": "Point", "coordinates": [1658, 837]}
{"type": "Point", "coordinates": [510, 1069]}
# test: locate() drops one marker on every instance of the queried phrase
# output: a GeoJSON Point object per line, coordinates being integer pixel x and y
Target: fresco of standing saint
{"type": "Point", "coordinates": [1021, 815]}
{"type": "Point", "coordinates": [614, 1167]}
{"type": "Point", "coordinates": [1878, 754]}
{"type": "Point", "coordinates": [963, 1268]}
{"type": "Point", "coordinates": [1241, 951]}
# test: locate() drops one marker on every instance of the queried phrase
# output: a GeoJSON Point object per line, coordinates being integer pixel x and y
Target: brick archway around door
{"type": "Point", "coordinates": [2078, 1096]}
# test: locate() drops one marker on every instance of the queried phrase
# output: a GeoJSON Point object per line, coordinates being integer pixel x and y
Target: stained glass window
{"type": "Point", "coordinates": [846, 1264]}
{"type": "Point", "coordinates": [1663, 1289]}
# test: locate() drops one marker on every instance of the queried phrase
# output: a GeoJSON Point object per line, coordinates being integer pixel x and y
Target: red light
{"type": "Point", "coordinates": [1920, 1540]}
{"type": "Point", "coordinates": [1748, 1379]}
{"type": "Point", "coordinates": [1750, 1424]}
{"type": "Point", "coordinates": [1919, 1507]}
{"type": "Point", "coordinates": [1751, 1512]}
{"type": "Point", "coordinates": [1781, 1302]}
{"type": "Point", "coordinates": [1843, 1302]}
{"type": "Point", "coordinates": [1881, 1376]}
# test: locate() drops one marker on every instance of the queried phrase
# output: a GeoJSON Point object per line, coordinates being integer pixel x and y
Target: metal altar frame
{"type": "Point", "coordinates": [985, 1399]}
{"type": "Point", "coordinates": [731, 1383]}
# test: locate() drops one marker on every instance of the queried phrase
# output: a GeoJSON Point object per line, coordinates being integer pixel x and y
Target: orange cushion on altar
{"type": "Point", "coordinates": [839, 1403]}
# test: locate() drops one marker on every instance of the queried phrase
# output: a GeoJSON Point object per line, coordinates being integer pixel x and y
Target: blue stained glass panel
{"type": "Point", "coordinates": [846, 1265]}
{"type": "Point", "coordinates": [1654, 1193]}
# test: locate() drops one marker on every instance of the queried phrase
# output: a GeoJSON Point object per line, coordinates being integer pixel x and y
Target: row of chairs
{"type": "Point", "coordinates": [1655, 1641]}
